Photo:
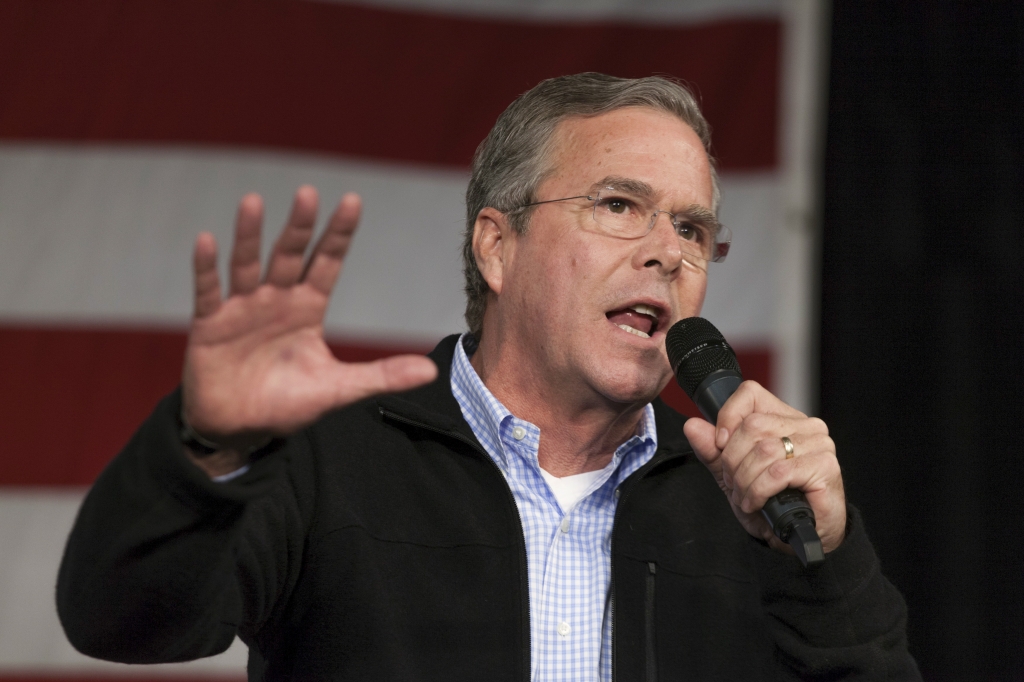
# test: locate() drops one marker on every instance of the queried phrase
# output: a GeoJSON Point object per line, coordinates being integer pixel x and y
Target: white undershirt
{"type": "Point", "coordinates": [569, 490]}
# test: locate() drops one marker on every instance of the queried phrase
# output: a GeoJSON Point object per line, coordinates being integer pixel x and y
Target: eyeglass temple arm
{"type": "Point", "coordinates": [551, 201]}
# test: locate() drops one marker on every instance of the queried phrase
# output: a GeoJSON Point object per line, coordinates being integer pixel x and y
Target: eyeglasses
{"type": "Point", "coordinates": [628, 217]}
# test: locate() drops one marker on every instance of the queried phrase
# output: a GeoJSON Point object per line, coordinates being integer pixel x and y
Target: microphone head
{"type": "Point", "coordinates": [695, 350]}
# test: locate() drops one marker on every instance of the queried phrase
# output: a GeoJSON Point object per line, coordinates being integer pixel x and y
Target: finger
{"type": "Point", "coordinates": [749, 398]}
{"type": "Point", "coordinates": [761, 426]}
{"type": "Point", "coordinates": [207, 281]}
{"type": "Point", "coordinates": [356, 381]}
{"type": "Point", "coordinates": [701, 436]}
{"type": "Point", "coordinates": [809, 473]}
{"type": "Point", "coordinates": [766, 452]}
{"type": "Point", "coordinates": [286, 260]}
{"type": "Point", "coordinates": [820, 478]}
{"type": "Point", "coordinates": [324, 265]}
{"type": "Point", "coordinates": [245, 252]}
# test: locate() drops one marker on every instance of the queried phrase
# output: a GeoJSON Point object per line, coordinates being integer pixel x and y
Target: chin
{"type": "Point", "coordinates": [635, 387]}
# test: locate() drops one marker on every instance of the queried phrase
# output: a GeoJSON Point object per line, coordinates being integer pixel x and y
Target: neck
{"type": "Point", "coordinates": [580, 429]}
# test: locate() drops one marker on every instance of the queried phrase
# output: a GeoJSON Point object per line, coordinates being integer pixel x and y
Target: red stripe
{"type": "Point", "coordinates": [347, 80]}
{"type": "Point", "coordinates": [71, 398]}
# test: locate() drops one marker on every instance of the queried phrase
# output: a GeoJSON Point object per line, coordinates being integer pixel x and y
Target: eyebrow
{"type": "Point", "coordinates": [699, 214]}
{"type": "Point", "coordinates": [637, 188]}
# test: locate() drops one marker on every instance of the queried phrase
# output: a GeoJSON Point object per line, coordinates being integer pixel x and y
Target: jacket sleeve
{"type": "Point", "coordinates": [841, 620]}
{"type": "Point", "coordinates": [164, 564]}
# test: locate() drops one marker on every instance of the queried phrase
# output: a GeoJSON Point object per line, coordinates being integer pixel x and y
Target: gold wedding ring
{"type": "Point", "coordinates": [788, 444]}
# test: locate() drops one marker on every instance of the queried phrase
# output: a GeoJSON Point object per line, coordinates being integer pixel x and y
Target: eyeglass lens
{"type": "Point", "coordinates": [632, 218]}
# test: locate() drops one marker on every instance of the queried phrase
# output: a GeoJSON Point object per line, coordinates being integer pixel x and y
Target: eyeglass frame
{"type": "Point", "coordinates": [673, 218]}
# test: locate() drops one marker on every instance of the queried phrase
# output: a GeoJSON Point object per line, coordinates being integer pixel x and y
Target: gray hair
{"type": "Point", "coordinates": [511, 162]}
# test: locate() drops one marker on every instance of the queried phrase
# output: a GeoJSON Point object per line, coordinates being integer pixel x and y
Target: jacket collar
{"type": "Point", "coordinates": [670, 429]}
{"type": "Point", "coordinates": [435, 406]}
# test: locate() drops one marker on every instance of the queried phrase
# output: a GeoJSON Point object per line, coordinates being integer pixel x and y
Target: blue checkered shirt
{"type": "Point", "coordinates": [568, 551]}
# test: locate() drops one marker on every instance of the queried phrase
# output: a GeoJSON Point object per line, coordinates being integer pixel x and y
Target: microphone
{"type": "Point", "coordinates": [706, 368]}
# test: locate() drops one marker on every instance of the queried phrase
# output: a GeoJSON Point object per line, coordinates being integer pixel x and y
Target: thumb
{"type": "Point", "coordinates": [701, 435]}
{"type": "Point", "coordinates": [358, 380]}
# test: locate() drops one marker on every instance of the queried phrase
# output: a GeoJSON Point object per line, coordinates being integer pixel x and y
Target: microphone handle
{"type": "Point", "coordinates": [789, 515]}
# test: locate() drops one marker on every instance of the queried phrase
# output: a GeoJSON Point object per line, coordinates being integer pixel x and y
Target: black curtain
{"type": "Point", "coordinates": [922, 314]}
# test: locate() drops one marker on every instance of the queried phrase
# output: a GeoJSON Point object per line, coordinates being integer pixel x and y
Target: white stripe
{"type": "Point", "coordinates": [742, 297]}
{"type": "Point", "coordinates": [632, 11]}
{"type": "Point", "coordinates": [802, 142]}
{"type": "Point", "coordinates": [34, 525]}
{"type": "Point", "coordinates": [104, 235]}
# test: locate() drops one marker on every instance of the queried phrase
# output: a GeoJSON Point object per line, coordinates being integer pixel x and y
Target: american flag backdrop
{"type": "Point", "coordinates": [128, 126]}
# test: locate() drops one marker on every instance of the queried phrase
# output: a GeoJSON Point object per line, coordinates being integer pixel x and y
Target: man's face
{"type": "Point", "coordinates": [571, 285]}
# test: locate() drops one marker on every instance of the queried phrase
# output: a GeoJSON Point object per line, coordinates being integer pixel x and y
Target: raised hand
{"type": "Point", "coordinates": [746, 455]}
{"type": "Point", "coordinates": [256, 364]}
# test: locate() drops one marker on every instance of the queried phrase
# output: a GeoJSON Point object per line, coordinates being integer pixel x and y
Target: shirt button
{"type": "Point", "coordinates": [564, 525]}
{"type": "Point", "coordinates": [519, 433]}
{"type": "Point", "coordinates": [618, 493]}
{"type": "Point", "coordinates": [564, 629]}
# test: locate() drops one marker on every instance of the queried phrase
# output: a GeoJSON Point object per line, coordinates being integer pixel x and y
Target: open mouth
{"type": "Point", "coordinates": [639, 319]}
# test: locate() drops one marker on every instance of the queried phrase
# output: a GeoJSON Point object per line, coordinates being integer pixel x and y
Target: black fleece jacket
{"type": "Point", "coordinates": [382, 543]}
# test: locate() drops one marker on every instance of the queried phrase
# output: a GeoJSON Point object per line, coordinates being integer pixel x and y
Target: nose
{"type": "Point", "coordinates": [660, 247]}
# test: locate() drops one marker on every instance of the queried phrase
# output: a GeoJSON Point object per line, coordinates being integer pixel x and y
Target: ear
{"type": "Point", "coordinates": [491, 238]}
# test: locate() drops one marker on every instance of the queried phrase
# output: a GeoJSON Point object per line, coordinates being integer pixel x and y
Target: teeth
{"type": "Point", "coordinates": [627, 328]}
{"type": "Point", "coordinates": [644, 310]}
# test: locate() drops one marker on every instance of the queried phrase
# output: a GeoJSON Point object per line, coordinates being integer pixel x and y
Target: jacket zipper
{"type": "Point", "coordinates": [649, 652]}
{"type": "Point", "coordinates": [524, 573]}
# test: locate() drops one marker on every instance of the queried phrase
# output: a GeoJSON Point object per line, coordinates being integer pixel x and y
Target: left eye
{"type": "Point", "coordinates": [689, 232]}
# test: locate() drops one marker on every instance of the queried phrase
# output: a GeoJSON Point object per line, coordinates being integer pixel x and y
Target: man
{"type": "Point", "coordinates": [522, 510]}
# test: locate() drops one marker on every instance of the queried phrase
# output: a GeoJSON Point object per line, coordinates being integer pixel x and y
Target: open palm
{"type": "Point", "coordinates": [256, 363]}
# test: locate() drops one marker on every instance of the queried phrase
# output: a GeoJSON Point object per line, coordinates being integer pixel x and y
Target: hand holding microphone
{"type": "Point", "coordinates": [776, 465]}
